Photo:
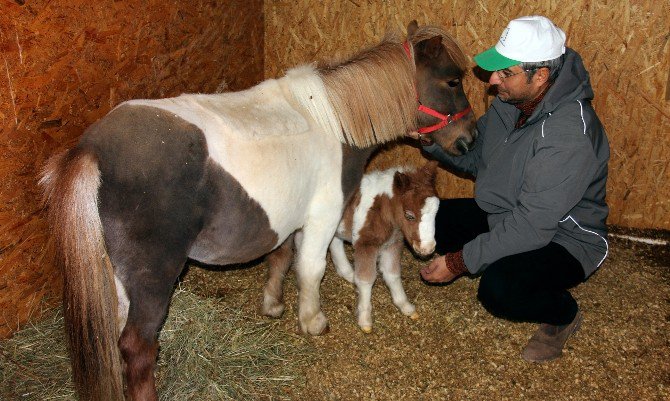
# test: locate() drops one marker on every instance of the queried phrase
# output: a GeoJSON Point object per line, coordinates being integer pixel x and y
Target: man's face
{"type": "Point", "coordinates": [513, 86]}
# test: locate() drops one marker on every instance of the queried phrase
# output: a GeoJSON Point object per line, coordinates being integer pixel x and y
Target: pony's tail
{"type": "Point", "coordinates": [70, 181]}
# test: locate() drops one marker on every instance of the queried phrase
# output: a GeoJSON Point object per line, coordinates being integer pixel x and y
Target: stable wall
{"type": "Point", "coordinates": [625, 46]}
{"type": "Point", "coordinates": [67, 63]}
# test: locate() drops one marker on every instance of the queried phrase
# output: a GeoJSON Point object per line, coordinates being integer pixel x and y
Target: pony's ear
{"type": "Point", "coordinates": [433, 47]}
{"type": "Point", "coordinates": [411, 28]}
{"type": "Point", "coordinates": [401, 181]}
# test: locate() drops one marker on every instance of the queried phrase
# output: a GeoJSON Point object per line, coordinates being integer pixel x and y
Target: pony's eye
{"type": "Point", "coordinates": [409, 215]}
{"type": "Point", "coordinates": [454, 83]}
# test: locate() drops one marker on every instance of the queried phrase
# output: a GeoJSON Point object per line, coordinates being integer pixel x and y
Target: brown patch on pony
{"type": "Point", "coordinates": [373, 93]}
{"type": "Point", "coordinates": [70, 181]}
{"type": "Point", "coordinates": [353, 166]}
{"type": "Point", "coordinates": [140, 357]}
{"type": "Point", "coordinates": [279, 262]}
{"type": "Point", "coordinates": [379, 223]}
{"type": "Point", "coordinates": [229, 205]}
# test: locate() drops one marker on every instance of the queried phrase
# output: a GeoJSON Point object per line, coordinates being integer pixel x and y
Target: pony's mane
{"type": "Point", "coordinates": [450, 44]}
{"type": "Point", "coordinates": [372, 93]}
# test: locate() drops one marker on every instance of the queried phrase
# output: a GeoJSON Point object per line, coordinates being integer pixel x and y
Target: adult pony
{"type": "Point", "coordinates": [224, 179]}
{"type": "Point", "coordinates": [389, 206]}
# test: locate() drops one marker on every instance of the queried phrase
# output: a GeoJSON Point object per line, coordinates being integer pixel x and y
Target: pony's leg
{"type": "Point", "coordinates": [149, 291]}
{"type": "Point", "coordinates": [389, 264]}
{"type": "Point", "coordinates": [340, 260]}
{"type": "Point", "coordinates": [365, 262]}
{"type": "Point", "coordinates": [310, 266]}
{"type": "Point", "coordinates": [279, 262]}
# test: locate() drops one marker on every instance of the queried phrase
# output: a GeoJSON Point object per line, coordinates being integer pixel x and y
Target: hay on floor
{"type": "Point", "coordinates": [208, 352]}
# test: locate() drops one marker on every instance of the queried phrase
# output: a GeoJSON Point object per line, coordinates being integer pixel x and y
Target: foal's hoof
{"type": "Point", "coordinates": [414, 316]}
{"type": "Point", "coordinates": [366, 329]}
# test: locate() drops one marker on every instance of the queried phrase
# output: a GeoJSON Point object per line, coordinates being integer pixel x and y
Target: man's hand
{"type": "Point", "coordinates": [444, 269]}
{"type": "Point", "coordinates": [424, 140]}
{"type": "Point", "coordinates": [413, 135]}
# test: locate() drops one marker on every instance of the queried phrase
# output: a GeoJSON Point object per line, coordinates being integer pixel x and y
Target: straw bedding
{"type": "Point", "coordinates": [455, 351]}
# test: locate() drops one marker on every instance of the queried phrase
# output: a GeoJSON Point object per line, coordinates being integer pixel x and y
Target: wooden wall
{"type": "Point", "coordinates": [625, 46]}
{"type": "Point", "coordinates": [66, 63]}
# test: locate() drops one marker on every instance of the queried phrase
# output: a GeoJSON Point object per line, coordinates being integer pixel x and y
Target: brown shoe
{"type": "Point", "coordinates": [548, 341]}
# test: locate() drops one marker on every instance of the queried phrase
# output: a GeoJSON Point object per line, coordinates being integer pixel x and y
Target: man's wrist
{"type": "Point", "coordinates": [455, 263]}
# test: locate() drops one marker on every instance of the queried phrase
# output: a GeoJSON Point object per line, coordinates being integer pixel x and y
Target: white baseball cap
{"type": "Point", "coordinates": [527, 39]}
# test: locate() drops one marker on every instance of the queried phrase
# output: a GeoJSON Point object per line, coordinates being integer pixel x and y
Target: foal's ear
{"type": "Point", "coordinates": [401, 181]}
{"type": "Point", "coordinates": [411, 28]}
{"type": "Point", "coordinates": [433, 47]}
{"type": "Point", "coordinates": [430, 168]}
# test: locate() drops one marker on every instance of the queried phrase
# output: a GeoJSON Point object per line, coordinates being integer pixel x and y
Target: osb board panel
{"type": "Point", "coordinates": [66, 63]}
{"type": "Point", "coordinates": [626, 48]}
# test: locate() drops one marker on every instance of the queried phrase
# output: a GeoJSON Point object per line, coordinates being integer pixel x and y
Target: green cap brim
{"type": "Point", "coordinates": [491, 60]}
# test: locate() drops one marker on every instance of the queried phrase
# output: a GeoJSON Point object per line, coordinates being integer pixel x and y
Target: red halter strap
{"type": "Point", "coordinates": [444, 120]}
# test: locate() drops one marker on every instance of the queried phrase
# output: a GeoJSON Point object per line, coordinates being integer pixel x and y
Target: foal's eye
{"type": "Point", "coordinates": [409, 215]}
{"type": "Point", "coordinates": [454, 83]}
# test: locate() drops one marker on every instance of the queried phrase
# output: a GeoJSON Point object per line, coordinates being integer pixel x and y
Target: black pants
{"type": "Point", "coordinates": [530, 286]}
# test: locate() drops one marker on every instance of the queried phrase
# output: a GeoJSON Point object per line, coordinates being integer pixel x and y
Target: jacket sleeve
{"type": "Point", "coordinates": [466, 163]}
{"type": "Point", "coordinates": [556, 178]}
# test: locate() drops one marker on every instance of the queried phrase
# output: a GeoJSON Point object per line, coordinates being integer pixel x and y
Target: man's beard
{"type": "Point", "coordinates": [509, 100]}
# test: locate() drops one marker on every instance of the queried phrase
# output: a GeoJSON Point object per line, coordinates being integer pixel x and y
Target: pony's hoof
{"type": "Point", "coordinates": [273, 309]}
{"type": "Point", "coordinates": [317, 326]}
{"type": "Point", "coordinates": [414, 316]}
{"type": "Point", "coordinates": [366, 329]}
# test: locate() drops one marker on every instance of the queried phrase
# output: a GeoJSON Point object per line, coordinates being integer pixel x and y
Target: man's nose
{"type": "Point", "coordinates": [494, 79]}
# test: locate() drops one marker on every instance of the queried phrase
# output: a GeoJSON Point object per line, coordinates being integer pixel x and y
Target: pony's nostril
{"type": "Point", "coordinates": [462, 145]}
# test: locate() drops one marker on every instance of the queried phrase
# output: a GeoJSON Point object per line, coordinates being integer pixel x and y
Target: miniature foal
{"type": "Point", "coordinates": [388, 206]}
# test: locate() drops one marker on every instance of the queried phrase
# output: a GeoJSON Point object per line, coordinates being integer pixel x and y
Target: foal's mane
{"type": "Point", "coordinates": [373, 92]}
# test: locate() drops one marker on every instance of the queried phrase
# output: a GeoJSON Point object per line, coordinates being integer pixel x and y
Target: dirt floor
{"type": "Point", "coordinates": [457, 351]}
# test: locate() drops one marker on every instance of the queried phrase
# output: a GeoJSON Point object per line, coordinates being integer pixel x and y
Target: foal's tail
{"type": "Point", "coordinates": [71, 181]}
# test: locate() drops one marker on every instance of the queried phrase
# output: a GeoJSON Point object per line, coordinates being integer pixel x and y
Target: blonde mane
{"type": "Point", "coordinates": [373, 93]}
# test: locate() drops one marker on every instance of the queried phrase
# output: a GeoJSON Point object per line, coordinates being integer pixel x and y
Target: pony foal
{"type": "Point", "coordinates": [388, 206]}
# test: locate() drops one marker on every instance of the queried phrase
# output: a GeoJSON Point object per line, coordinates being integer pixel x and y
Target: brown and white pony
{"type": "Point", "coordinates": [389, 206]}
{"type": "Point", "coordinates": [223, 179]}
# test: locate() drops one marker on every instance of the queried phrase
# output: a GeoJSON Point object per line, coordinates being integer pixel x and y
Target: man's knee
{"type": "Point", "coordinates": [496, 293]}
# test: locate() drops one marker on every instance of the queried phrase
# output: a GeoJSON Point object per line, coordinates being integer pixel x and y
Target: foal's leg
{"type": "Point", "coordinates": [365, 262]}
{"type": "Point", "coordinates": [389, 264]}
{"type": "Point", "coordinates": [310, 266]}
{"type": "Point", "coordinates": [279, 262]}
{"type": "Point", "coordinates": [340, 260]}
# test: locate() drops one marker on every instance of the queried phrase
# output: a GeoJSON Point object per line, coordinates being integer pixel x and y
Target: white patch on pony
{"type": "Point", "coordinates": [123, 304]}
{"type": "Point", "coordinates": [309, 91]}
{"type": "Point", "coordinates": [267, 135]}
{"type": "Point", "coordinates": [373, 184]}
{"type": "Point", "coordinates": [427, 224]}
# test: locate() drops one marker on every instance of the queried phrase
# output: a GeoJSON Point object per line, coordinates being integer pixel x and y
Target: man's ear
{"type": "Point", "coordinates": [541, 75]}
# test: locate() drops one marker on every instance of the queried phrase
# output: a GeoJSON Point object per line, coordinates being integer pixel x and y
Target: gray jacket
{"type": "Point", "coordinates": [544, 181]}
